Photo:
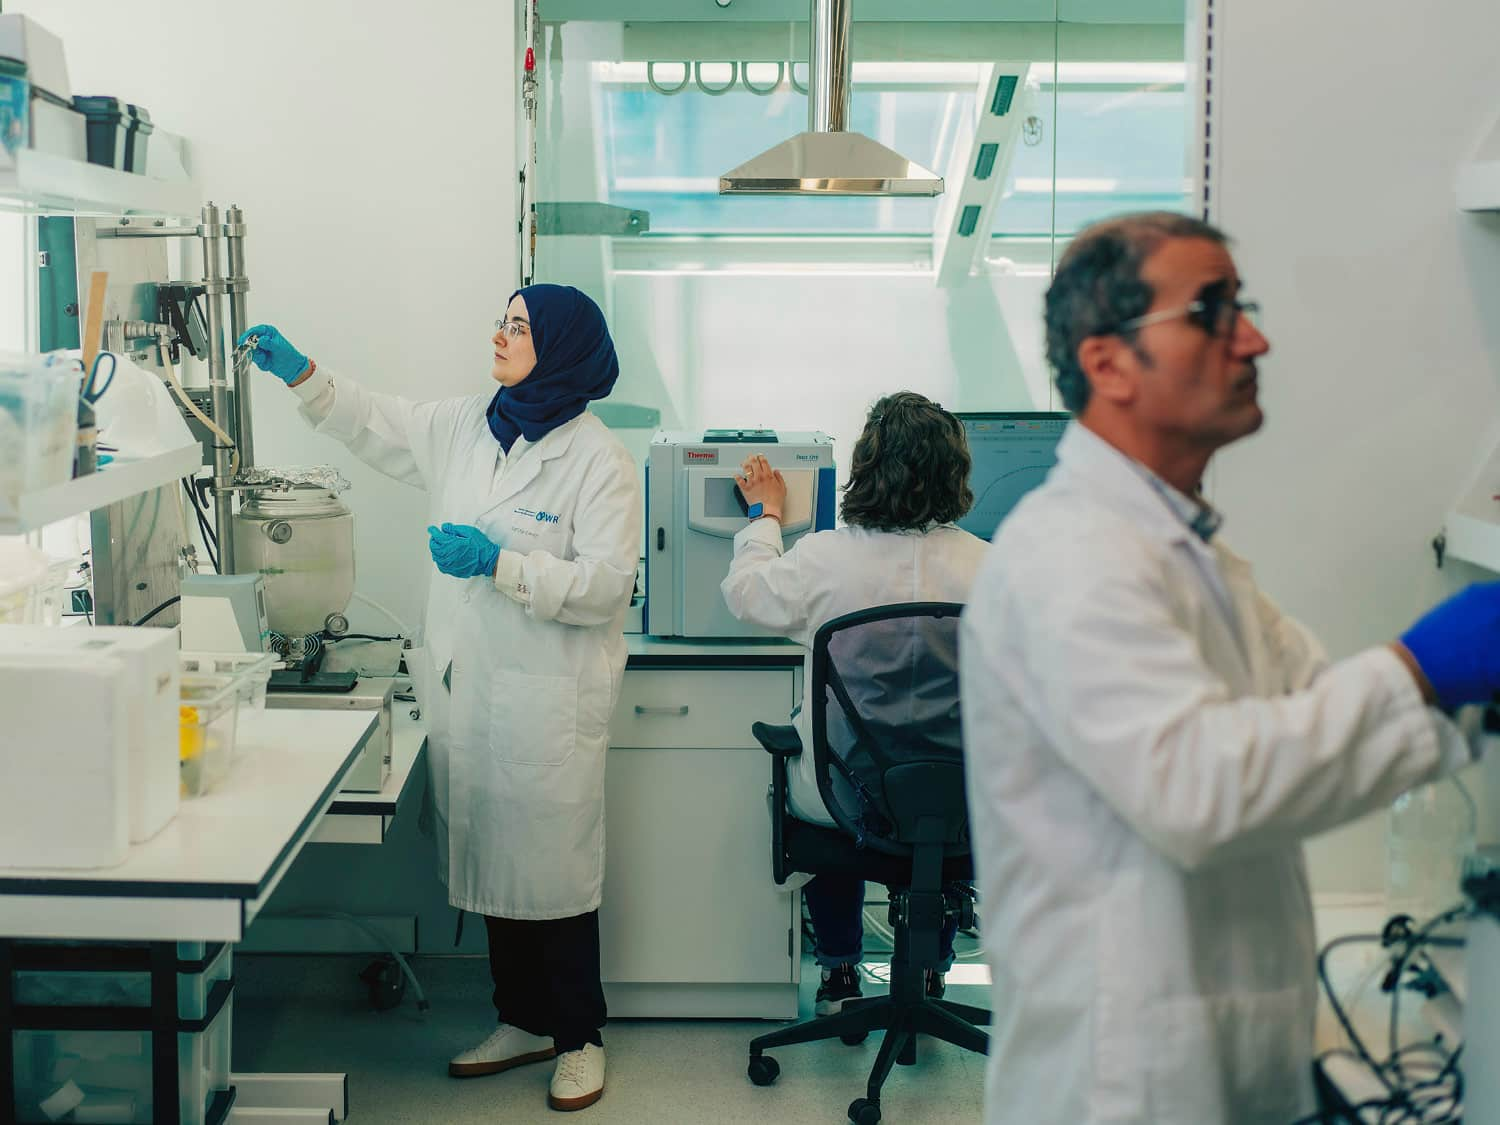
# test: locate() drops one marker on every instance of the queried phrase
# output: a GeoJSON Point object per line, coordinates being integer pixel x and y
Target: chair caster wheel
{"type": "Point", "coordinates": [862, 1111]}
{"type": "Point", "coordinates": [763, 1069]}
{"type": "Point", "coordinates": [384, 982]}
{"type": "Point", "coordinates": [855, 1039]}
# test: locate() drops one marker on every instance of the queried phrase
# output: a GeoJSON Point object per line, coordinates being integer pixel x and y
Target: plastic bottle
{"type": "Point", "coordinates": [1429, 832]}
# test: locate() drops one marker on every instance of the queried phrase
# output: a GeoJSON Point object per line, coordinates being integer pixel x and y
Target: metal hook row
{"type": "Point", "coordinates": [739, 73]}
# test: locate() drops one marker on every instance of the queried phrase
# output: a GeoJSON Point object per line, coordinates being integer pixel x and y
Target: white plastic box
{"type": "Point", "coordinates": [46, 63]}
{"type": "Point", "coordinates": [64, 759]}
{"type": "Point", "coordinates": [148, 658]}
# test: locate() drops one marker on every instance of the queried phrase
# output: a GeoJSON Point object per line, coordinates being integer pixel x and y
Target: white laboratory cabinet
{"type": "Point", "coordinates": [692, 924]}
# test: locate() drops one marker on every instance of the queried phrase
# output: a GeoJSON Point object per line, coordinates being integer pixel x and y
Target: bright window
{"type": "Point", "coordinates": [1119, 144]}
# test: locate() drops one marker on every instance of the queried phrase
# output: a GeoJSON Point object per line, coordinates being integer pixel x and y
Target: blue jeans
{"type": "Point", "coordinates": [837, 905]}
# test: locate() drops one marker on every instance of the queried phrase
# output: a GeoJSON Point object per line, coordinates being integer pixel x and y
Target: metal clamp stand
{"type": "Point", "coordinates": [230, 395]}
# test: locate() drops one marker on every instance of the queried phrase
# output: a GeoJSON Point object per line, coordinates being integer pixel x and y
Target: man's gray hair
{"type": "Point", "coordinates": [1098, 286]}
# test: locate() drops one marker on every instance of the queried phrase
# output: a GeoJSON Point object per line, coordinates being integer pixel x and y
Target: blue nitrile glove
{"type": "Point", "coordinates": [274, 353]}
{"type": "Point", "coordinates": [1457, 646]}
{"type": "Point", "coordinates": [462, 551]}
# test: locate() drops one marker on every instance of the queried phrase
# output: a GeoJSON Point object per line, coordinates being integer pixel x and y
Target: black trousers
{"type": "Point", "coordinates": [546, 977]}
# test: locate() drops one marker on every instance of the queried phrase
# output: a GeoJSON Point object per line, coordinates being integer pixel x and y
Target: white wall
{"type": "Point", "coordinates": [372, 150]}
{"type": "Point", "coordinates": [1340, 136]}
{"type": "Point", "coordinates": [804, 351]}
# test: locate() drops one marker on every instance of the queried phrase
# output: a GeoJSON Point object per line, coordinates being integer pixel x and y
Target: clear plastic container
{"type": "Point", "coordinates": [251, 672]}
{"type": "Point", "coordinates": [22, 570]}
{"type": "Point", "coordinates": [38, 421]}
{"type": "Point", "coordinates": [253, 669]}
{"type": "Point", "coordinates": [49, 596]}
{"type": "Point", "coordinates": [207, 725]}
{"type": "Point", "coordinates": [106, 1075]}
{"type": "Point", "coordinates": [124, 989]}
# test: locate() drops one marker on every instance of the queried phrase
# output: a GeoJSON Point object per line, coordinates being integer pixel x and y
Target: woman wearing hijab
{"type": "Point", "coordinates": [535, 535]}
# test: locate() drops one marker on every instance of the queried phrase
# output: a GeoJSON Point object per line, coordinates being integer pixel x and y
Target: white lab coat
{"type": "Point", "coordinates": [1142, 770]}
{"type": "Point", "coordinates": [831, 573]}
{"type": "Point", "coordinates": [517, 765]}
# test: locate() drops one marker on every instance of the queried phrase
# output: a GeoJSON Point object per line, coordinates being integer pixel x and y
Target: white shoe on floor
{"type": "Point", "coordinates": [578, 1080]}
{"type": "Point", "coordinates": [506, 1047]}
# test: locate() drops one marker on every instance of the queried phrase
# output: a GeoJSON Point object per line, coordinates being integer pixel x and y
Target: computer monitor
{"type": "Point", "coordinates": [1012, 452]}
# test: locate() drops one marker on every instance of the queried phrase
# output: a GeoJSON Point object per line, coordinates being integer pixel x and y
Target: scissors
{"type": "Point", "coordinates": [89, 394]}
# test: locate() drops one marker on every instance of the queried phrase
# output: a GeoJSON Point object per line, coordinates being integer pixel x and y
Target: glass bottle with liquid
{"type": "Point", "coordinates": [1430, 830]}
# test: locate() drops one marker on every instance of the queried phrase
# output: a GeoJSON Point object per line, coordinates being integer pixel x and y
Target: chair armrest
{"type": "Point", "coordinates": [783, 742]}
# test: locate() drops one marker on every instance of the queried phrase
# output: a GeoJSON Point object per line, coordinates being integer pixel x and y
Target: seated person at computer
{"type": "Point", "coordinates": [908, 483]}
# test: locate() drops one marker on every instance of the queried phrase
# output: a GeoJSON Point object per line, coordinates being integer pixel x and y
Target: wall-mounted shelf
{"type": "Point", "coordinates": [1472, 529]}
{"type": "Point", "coordinates": [41, 183]}
{"type": "Point", "coordinates": [118, 480]}
{"type": "Point", "coordinates": [1478, 186]}
{"type": "Point", "coordinates": [1472, 539]}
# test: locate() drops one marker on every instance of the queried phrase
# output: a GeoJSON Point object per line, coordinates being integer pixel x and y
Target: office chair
{"type": "Point", "coordinates": [887, 751]}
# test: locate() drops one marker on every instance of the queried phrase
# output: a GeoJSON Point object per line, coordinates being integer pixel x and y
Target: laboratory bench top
{"type": "Point", "coordinates": [408, 742]}
{"type": "Point", "coordinates": [741, 652]}
{"type": "Point", "coordinates": [205, 875]}
{"type": "Point", "coordinates": [365, 818]}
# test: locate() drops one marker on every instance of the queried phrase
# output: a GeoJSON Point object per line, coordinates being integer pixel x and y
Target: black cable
{"type": "Point", "coordinates": [200, 503]}
{"type": "Point", "coordinates": [1338, 1009]}
{"type": "Point", "coordinates": [210, 540]}
{"type": "Point", "coordinates": [1413, 944]}
{"type": "Point", "coordinates": [209, 544]}
{"type": "Point", "coordinates": [168, 604]}
{"type": "Point", "coordinates": [1423, 1093]}
{"type": "Point", "coordinates": [359, 637]}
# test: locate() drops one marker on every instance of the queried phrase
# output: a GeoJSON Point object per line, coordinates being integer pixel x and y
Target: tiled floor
{"type": "Point", "coordinates": [311, 1014]}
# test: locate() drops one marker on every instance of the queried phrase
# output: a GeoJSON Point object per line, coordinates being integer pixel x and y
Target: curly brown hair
{"type": "Point", "coordinates": [910, 467]}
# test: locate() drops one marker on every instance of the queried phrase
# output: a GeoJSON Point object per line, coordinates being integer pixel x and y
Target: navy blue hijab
{"type": "Point", "coordinates": [575, 362]}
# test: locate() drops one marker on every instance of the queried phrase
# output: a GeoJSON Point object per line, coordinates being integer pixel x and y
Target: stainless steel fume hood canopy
{"type": "Point", "coordinates": [828, 159]}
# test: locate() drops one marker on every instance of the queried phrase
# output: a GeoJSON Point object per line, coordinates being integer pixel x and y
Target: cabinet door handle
{"type": "Point", "coordinates": [683, 710]}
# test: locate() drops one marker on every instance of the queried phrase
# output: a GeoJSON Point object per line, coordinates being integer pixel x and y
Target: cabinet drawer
{"type": "Point", "coordinates": [685, 708]}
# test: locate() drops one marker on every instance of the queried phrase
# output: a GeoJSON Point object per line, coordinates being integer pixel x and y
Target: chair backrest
{"type": "Point", "coordinates": [887, 737]}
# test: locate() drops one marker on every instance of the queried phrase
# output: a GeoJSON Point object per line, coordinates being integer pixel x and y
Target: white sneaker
{"type": "Point", "coordinates": [578, 1080]}
{"type": "Point", "coordinates": [506, 1047]}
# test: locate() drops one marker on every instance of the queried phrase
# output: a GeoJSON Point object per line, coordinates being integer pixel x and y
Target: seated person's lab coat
{"type": "Point", "coordinates": [828, 574]}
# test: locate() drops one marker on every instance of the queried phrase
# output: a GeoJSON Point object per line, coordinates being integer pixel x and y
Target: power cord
{"type": "Point", "coordinates": [168, 604]}
{"type": "Point", "coordinates": [1424, 1084]}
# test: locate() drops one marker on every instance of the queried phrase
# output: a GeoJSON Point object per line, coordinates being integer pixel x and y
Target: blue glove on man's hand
{"type": "Point", "coordinates": [274, 353]}
{"type": "Point", "coordinates": [1457, 646]}
{"type": "Point", "coordinates": [462, 551]}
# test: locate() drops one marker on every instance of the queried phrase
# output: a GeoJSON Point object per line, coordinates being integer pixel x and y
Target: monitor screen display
{"type": "Point", "coordinates": [722, 499]}
{"type": "Point", "coordinates": [1012, 452]}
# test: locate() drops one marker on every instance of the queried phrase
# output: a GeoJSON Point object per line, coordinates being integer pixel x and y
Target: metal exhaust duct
{"type": "Point", "coordinates": [828, 159]}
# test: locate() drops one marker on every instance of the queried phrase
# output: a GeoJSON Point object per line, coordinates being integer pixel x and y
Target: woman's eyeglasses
{"type": "Point", "coordinates": [512, 328]}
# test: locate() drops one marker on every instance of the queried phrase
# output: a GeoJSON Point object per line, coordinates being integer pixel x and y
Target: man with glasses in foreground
{"type": "Point", "coordinates": [1149, 739]}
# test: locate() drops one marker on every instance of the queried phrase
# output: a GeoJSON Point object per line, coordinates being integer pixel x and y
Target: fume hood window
{"type": "Point", "coordinates": [1119, 144]}
{"type": "Point", "coordinates": [793, 312]}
